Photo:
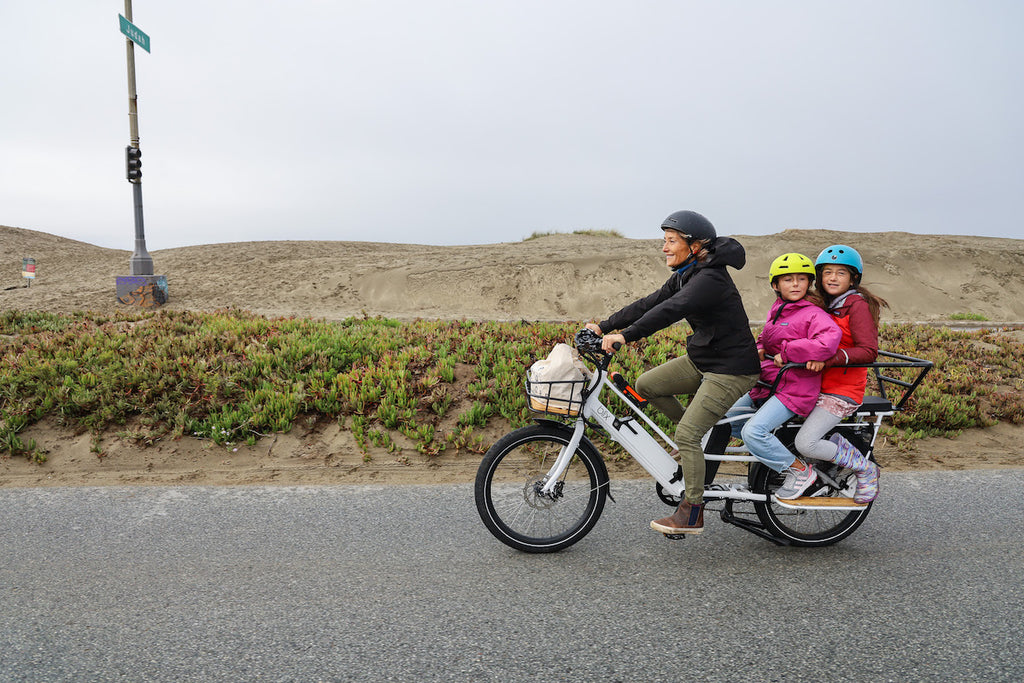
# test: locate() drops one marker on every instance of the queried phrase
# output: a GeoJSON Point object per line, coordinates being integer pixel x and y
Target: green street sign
{"type": "Point", "coordinates": [134, 33]}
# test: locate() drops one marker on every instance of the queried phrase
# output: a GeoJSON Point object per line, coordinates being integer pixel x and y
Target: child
{"type": "Point", "coordinates": [797, 331]}
{"type": "Point", "coordinates": [839, 269]}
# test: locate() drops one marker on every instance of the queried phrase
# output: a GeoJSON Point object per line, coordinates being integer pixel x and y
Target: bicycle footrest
{"type": "Point", "coordinates": [820, 503]}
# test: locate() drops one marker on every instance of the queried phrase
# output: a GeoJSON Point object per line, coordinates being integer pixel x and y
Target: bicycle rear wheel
{"type": "Point", "coordinates": [508, 489]}
{"type": "Point", "coordinates": [809, 528]}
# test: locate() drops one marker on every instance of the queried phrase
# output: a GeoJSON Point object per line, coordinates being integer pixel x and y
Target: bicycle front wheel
{"type": "Point", "coordinates": [810, 528]}
{"type": "Point", "coordinates": [509, 487]}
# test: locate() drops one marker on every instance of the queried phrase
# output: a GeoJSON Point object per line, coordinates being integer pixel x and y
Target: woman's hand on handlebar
{"type": "Point", "coordinates": [610, 343]}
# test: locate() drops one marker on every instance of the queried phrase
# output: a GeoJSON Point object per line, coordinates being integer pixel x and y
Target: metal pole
{"type": "Point", "coordinates": [141, 262]}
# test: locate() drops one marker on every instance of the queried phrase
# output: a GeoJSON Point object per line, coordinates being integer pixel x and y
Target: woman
{"type": "Point", "coordinates": [721, 362]}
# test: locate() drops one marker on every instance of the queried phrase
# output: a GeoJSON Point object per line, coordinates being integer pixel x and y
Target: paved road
{"type": "Point", "coordinates": [404, 583]}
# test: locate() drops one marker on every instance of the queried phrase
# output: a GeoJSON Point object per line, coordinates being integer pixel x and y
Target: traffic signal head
{"type": "Point", "coordinates": [133, 164]}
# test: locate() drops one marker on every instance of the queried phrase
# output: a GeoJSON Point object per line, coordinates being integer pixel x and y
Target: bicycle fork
{"type": "Point", "coordinates": [554, 475]}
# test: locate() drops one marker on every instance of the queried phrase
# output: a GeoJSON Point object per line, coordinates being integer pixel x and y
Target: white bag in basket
{"type": "Point", "coordinates": [563, 364]}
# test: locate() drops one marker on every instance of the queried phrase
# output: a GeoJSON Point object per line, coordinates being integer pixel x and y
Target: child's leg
{"type": "Point", "coordinates": [810, 444]}
{"type": "Point", "coordinates": [837, 449]}
{"type": "Point", "coordinates": [758, 437]}
{"type": "Point", "coordinates": [866, 471]}
{"type": "Point", "coordinates": [810, 440]}
{"type": "Point", "coordinates": [744, 406]}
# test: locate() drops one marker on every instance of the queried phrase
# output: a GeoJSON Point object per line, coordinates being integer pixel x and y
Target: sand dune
{"type": "Point", "coordinates": [558, 277]}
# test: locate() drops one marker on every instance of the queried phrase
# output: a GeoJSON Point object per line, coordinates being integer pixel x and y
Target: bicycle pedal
{"type": "Point", "coordinates": [676, 537]}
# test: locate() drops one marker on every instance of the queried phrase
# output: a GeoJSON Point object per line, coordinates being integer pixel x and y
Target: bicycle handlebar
{"type": "Point", "coordinates": [588, 343]}
{"type": "Point", "coordinates": [921, 365]}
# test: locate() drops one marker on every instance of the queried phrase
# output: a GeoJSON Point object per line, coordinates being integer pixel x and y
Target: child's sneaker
{"type": "Point", "coordinates": [867, 484]}
{"type": "Point", "coordinates": [796, 482]}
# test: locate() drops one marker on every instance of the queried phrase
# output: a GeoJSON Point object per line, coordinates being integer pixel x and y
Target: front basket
{"type": "Point", "coordinates": [563, 397]}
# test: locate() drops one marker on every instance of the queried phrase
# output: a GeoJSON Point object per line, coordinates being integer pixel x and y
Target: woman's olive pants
{"type": "Point", "coordinates": [712, 395]}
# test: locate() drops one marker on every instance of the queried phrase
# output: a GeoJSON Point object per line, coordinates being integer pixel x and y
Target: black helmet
{"type": "Point", "coordinates": [690, 225]}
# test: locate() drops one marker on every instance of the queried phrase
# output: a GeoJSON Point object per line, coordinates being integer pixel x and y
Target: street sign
{"type": "Point", "coordinates": [134, 33]}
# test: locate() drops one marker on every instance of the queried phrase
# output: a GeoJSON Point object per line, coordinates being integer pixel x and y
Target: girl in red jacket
{"type": "Point", "coordinates": [839, 269]}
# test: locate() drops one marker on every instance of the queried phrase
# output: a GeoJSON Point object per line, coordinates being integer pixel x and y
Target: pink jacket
{"type": "Point", "coordinates": [796, 331]}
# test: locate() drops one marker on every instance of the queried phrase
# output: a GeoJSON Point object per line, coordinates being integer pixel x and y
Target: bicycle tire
{"type": "Point", "coordinates": [806, 528]}
{"type": "Point", "coordinates": [508, 483]}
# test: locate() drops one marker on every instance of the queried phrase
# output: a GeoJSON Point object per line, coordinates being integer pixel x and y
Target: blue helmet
{"type": "Point", "coordinates": [841, 255]}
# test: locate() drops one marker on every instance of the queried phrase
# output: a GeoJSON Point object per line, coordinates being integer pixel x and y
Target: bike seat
{"type": "Point", "coordinates": [875, 404]}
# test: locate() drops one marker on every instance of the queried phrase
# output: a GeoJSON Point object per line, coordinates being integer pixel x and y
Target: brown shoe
{"type": "Point", "coordinates": [687, 519]}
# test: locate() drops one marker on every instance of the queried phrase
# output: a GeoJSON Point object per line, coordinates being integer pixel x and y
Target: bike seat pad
{"type": "Point", "coordinates": [875, 404]}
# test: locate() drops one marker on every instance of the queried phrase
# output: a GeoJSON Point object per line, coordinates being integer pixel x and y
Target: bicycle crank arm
{"type": "Point", "coordinates": [755, 528]}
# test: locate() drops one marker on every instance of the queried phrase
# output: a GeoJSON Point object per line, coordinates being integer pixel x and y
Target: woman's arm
{"type": "Point", "coordinates": [681, 296]}
{"type": "Point", "coordinates": [630, 313]}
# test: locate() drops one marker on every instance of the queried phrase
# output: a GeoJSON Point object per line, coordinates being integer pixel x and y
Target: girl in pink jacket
{"type": "Point", "coordinates": [798, 330]}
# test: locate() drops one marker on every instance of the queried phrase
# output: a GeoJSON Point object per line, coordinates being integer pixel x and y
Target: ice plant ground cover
{"type": "Point", "coordinates": [233, 376]}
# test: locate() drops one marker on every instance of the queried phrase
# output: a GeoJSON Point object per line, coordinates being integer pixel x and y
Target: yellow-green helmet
{"type": "Point", "coordinates": [787, 264]}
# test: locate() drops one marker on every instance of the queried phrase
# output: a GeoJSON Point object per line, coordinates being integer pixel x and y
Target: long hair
{"type": "Point", "coordinates": [814, 297]}
{"type": "Point", "coordinates": [875, 302]}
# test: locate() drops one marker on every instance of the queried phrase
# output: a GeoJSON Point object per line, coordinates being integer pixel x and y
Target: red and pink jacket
{"type": "Point", "coordinates": [796, 332]}
{"type": "Point", "coordinates": [859, 345]}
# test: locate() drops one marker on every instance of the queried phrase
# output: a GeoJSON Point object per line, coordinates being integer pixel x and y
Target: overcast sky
{"type": "Point", "coordinates": [482, 121]}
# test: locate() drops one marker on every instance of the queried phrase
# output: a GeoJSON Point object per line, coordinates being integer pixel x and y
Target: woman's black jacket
{"type": "Point", "coordinates": [706, 297]}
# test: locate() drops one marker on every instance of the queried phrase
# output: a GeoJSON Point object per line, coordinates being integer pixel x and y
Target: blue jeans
{"type": "Point", "coordinates": [756, 432]}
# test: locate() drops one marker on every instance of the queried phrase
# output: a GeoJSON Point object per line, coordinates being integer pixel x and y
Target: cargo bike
{"type": "Point", "coordinates": [542, 488]}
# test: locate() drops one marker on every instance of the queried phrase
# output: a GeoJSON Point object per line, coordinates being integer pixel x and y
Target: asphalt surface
{"type": "Point", "coordinates": [405, 583]}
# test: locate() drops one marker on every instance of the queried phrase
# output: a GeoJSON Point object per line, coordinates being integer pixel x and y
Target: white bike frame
{"type": "Point", "coordinates": [638, 442]}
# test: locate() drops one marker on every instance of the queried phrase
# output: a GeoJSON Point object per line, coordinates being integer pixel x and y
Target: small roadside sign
{"type": "Point", "coordinates": [134, 33]}
{"type": "Point", "coordinates": [28, 270]}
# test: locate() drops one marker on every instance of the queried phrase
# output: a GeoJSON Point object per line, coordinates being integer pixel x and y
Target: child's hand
{"type": "Point", "coordinates": [815, 365]}
{"type": "Point", "coordinates": [778, 360]}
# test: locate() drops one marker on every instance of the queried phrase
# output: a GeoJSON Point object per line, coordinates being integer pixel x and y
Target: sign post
{"type": "Point", "coordinates": [141, 285]}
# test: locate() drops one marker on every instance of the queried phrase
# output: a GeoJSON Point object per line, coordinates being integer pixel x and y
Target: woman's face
{"type": "Point", "coordinates": [792, 287]}
{"type": "Point", "coordinates": [836, 279]}
{"type": "Point", "coordinates": [676, 249]}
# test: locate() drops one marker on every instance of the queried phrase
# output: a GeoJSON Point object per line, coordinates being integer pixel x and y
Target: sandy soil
{"type": "Point", "coordinates": [560, 277]}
